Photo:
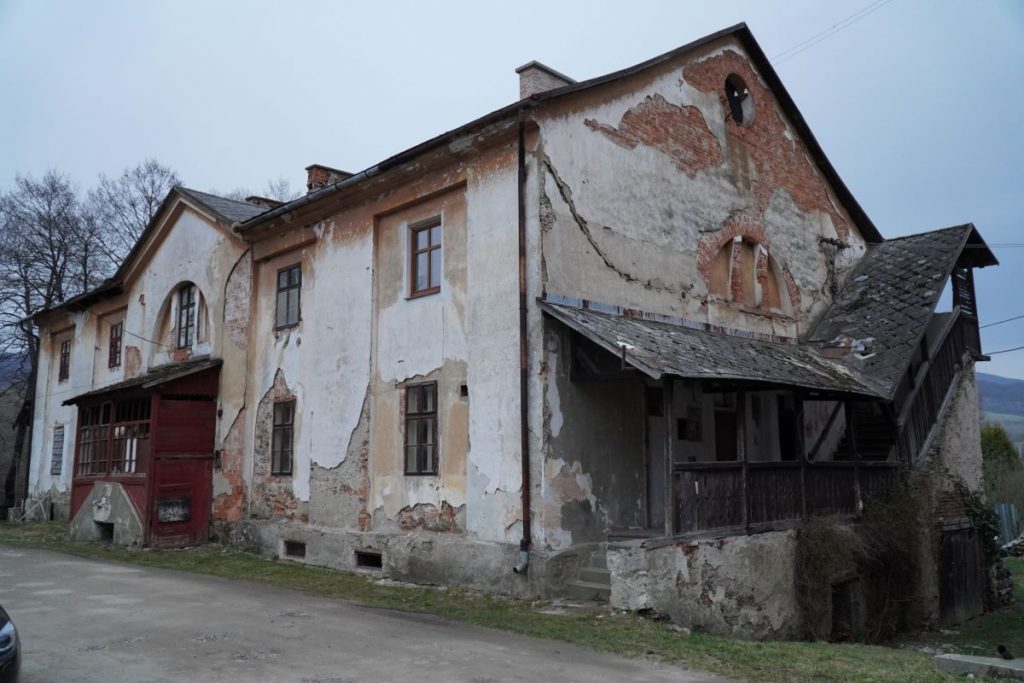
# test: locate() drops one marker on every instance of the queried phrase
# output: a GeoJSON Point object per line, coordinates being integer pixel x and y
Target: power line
{"type": "Point", "coordinates": [992, 353]}
{"type": "Point", "coordinates": [1000, 322]}
{"type": "Point", "coordinates": [835, 28]}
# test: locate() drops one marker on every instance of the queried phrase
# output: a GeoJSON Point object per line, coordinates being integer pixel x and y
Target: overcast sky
{"type": "Point", "coordinates": [919, 105]}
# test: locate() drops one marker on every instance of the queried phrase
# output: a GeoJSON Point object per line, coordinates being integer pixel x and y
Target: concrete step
{"type": "Point", "coordinates": [595, 575]}
{"type": "Point", "coordinates": [586, 590]}
{"type": "Point", "coordinates": [599, 560]}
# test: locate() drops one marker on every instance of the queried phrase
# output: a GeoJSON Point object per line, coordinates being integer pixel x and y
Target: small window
{"type": "Point", "coordinates": [114, 351]}
{"type": "Point", "coordinates": [186, 316]}
{"type": "Point", "coordinates": [741, 105]}
{"type": "Point", "coordinates": [369, 559]}
{"type": "Point", "coordinates": [296, 549]}
{"type": "Point", "coordinates": [281, 448]}
{"type": "Point", "coordinates": [289, 284]}
{"type": "Point", "coordinates": [425, 258]}
{"type": "Point", "coordinates": [421, 429]}
{"type": "Point", "coordinates": [57, 451]}
{"type": "Point", "coordinates": [65, 360]}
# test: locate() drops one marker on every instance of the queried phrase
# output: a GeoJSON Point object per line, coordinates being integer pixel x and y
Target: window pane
{"type": "Point", "coordinates": [422, 239]}
{"type": "Point", "coordinates": [282, 279]}
{"type": "Point", "coordinates": [425, 431]}
{"type": "Point", "coordinates": [411, 464]}
{"type": "Point", "coordinates": [429, 465]}
{"type": "Point", "coordinates": [435, 235]}
{"type": "Point", "coordinates": [429, 396]}
{"type": "Point", "coordinates": [435, 268]}
{"type": "Point", "coordinates": [422, 281]}
{"type": "Point", "coordinates": [282, 309]}
{"type": "Point", "coordinates": [293, 306]}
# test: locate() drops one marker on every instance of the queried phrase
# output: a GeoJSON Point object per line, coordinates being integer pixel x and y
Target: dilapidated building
{"type": "Point", "coordinates": [614, 340]}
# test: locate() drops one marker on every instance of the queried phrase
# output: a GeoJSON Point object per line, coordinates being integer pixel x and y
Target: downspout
{"type": "Point", "coordinates": [524, 359]}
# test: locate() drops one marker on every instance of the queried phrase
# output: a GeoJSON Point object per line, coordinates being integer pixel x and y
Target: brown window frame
{"type": "Point", "coordinates": [415, 251]}
{"type": "Point", "coordinates": [278, 453]}
{"type": "Point", "coordinates": [187, 327]}
{"type": "Point", "coordinates": [114, 348]}
{"type": "Point", "coordinates": [412, 420]}
{"type": "Point", "coordinates": [65, 361]}
{"type": "Point", "coordinates": [113, 438]}
{"type": "Point", "coordinates": [289, 286]}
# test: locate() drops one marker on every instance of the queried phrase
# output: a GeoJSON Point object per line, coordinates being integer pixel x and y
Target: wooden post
{"type": "Point", "coordinates": [670, 506]}
{"type": "Point", "coordinates": [852, 443]}
{"type": "Point", "coordinates": [798, 401]}
{"type": "Point", "coordinates": [741, 452]}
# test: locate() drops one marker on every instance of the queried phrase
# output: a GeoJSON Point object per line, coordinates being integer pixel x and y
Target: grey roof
{"type": "Point", "coordinates": [740, 31]}
{"type": "Point", "coordinates": [660, 348]}
{"type": "Point", "coordinates": [228, 209]}
{"type": "Point", "coordinates": [152, 379]}
{"type": "Point", "coordinates": [889, 299]}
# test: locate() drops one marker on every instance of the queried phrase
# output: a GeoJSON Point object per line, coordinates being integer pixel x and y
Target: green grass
{"type": "Point", "coordinates": [607, 630]}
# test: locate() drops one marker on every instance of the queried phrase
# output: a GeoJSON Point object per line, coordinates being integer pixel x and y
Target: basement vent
{"type": "Point", "coordinates": [366, 559]}
{"type": "Point", "coordinates": [464, 391]}
{"type": "Point", "coordinates": [294, 549]}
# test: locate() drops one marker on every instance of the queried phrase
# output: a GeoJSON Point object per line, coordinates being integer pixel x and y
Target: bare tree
{"type": "Point", "coordinates": [47, 253]}
{"type": "Point", "coordinates": [280, 189]}
{"type": "Point", "coordinates": [122, 207]}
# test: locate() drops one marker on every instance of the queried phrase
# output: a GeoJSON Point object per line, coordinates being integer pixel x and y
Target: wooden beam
{"type": "Point", "coordinates": [741, 451]}
{"type": "Point", "coordinates": [854, 455]}
{"type": "Point", "coordinates": [669, 437]}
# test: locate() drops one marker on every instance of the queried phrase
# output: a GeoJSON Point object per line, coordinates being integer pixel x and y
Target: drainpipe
{"type": "Point", "coordinates": [524, 359]}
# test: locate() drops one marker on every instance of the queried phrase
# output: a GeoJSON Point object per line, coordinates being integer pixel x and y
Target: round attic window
{"type": "Point", "coordinates": [741, 104]}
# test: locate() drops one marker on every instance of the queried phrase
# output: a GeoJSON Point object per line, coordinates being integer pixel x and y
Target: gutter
{"type": "Point", "coordinates": [524, 359]}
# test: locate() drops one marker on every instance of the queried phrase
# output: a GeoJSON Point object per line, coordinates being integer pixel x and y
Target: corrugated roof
{"type": "Point", "coordinates": [890, 298]}
{"type": "Point", "coordinates": [665, 349]}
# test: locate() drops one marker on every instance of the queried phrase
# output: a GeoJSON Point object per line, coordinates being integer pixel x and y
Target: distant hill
{"type": "Point", "coordinates": [1002, 401]}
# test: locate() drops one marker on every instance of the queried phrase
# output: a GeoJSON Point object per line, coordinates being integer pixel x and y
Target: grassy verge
{"type": "Point", "coordinates": [609, 631]}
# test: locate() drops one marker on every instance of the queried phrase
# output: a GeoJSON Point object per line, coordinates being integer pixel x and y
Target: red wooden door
{"type": "Point", "coordinates": [180, 511]}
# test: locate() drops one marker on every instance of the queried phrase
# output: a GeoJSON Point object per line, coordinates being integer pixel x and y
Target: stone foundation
{"type": "Point", "coordinates": [736, 586]}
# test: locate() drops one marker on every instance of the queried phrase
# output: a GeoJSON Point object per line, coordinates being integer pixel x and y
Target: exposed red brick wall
{"type": "Point", "coordinates": [950, 506]}
{"type": "Point", "coordinates": [228, 507]}
{"type": "Point", "coordinates": [429, 518]}
{"type": "Point", "coordinates": [679, 132]}
{"type": "Point", "coordinates": [780, 162]}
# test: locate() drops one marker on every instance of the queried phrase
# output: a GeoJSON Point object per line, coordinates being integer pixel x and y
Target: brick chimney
{"type": "Point", "coordinates": [535, 77]}
{"type": "Point", "coordinates": [319, 177]}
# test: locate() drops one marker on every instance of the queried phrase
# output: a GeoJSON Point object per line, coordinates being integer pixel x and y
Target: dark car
{"type": "Point", "coordinates": [10, 649]}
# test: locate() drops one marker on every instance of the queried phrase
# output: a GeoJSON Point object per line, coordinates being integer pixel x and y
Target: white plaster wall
{"type": "Point", "coordinates": [325, 359]}
{"type": "Point", "coordinates": [494, 469]}
{"type": "Point", "coordinates": [192, 249]}
{"type": "Point", "coordinates": [649, 217]}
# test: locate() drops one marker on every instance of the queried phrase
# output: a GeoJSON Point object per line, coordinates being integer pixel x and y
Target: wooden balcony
{"type": "Point", "coordinates": [758, 494]}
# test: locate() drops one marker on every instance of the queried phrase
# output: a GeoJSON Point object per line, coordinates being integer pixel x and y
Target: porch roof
{"type": "Point", "coordinates": [155, 378]}
{"type": "Point", "coordinates": [659, 348]}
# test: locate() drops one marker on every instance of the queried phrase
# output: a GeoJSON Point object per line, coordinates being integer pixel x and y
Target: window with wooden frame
{"type": "Point", "coordinates": [282, 436]}
{"type": "Point", "coordinates": [289, 287]}
{"type": "Point", "coordinates": [425, 258]}
{"type": "Point", "coordinates": [65, 361]}
{"type": "Point", "coordinates": [421, 451]}
{"type": "Point", "coordinates": [113, 437]}
{"type": "Point", "coordinates": [186, 316]}
{"type": "Point", "coordinates": [114, 348]}
{"type": "Point", "coordinates": [57, 451]}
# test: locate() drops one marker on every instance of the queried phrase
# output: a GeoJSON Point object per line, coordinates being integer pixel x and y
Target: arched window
{"type": "Point", "coordinates": [187, 306]}
{"type": "Point", "coordinates": [741, 104]}
{"type": "Point", "coordinates": [744, 273]}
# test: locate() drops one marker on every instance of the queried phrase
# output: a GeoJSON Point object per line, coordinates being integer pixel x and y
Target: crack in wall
{"type": "Point", "coordinates": [584, 225]}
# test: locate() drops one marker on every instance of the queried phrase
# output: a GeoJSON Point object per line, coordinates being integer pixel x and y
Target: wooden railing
{"type": "Point", "coordinates": [742, 495]}
{"type": "Point", "coordinates": [920, 410]}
